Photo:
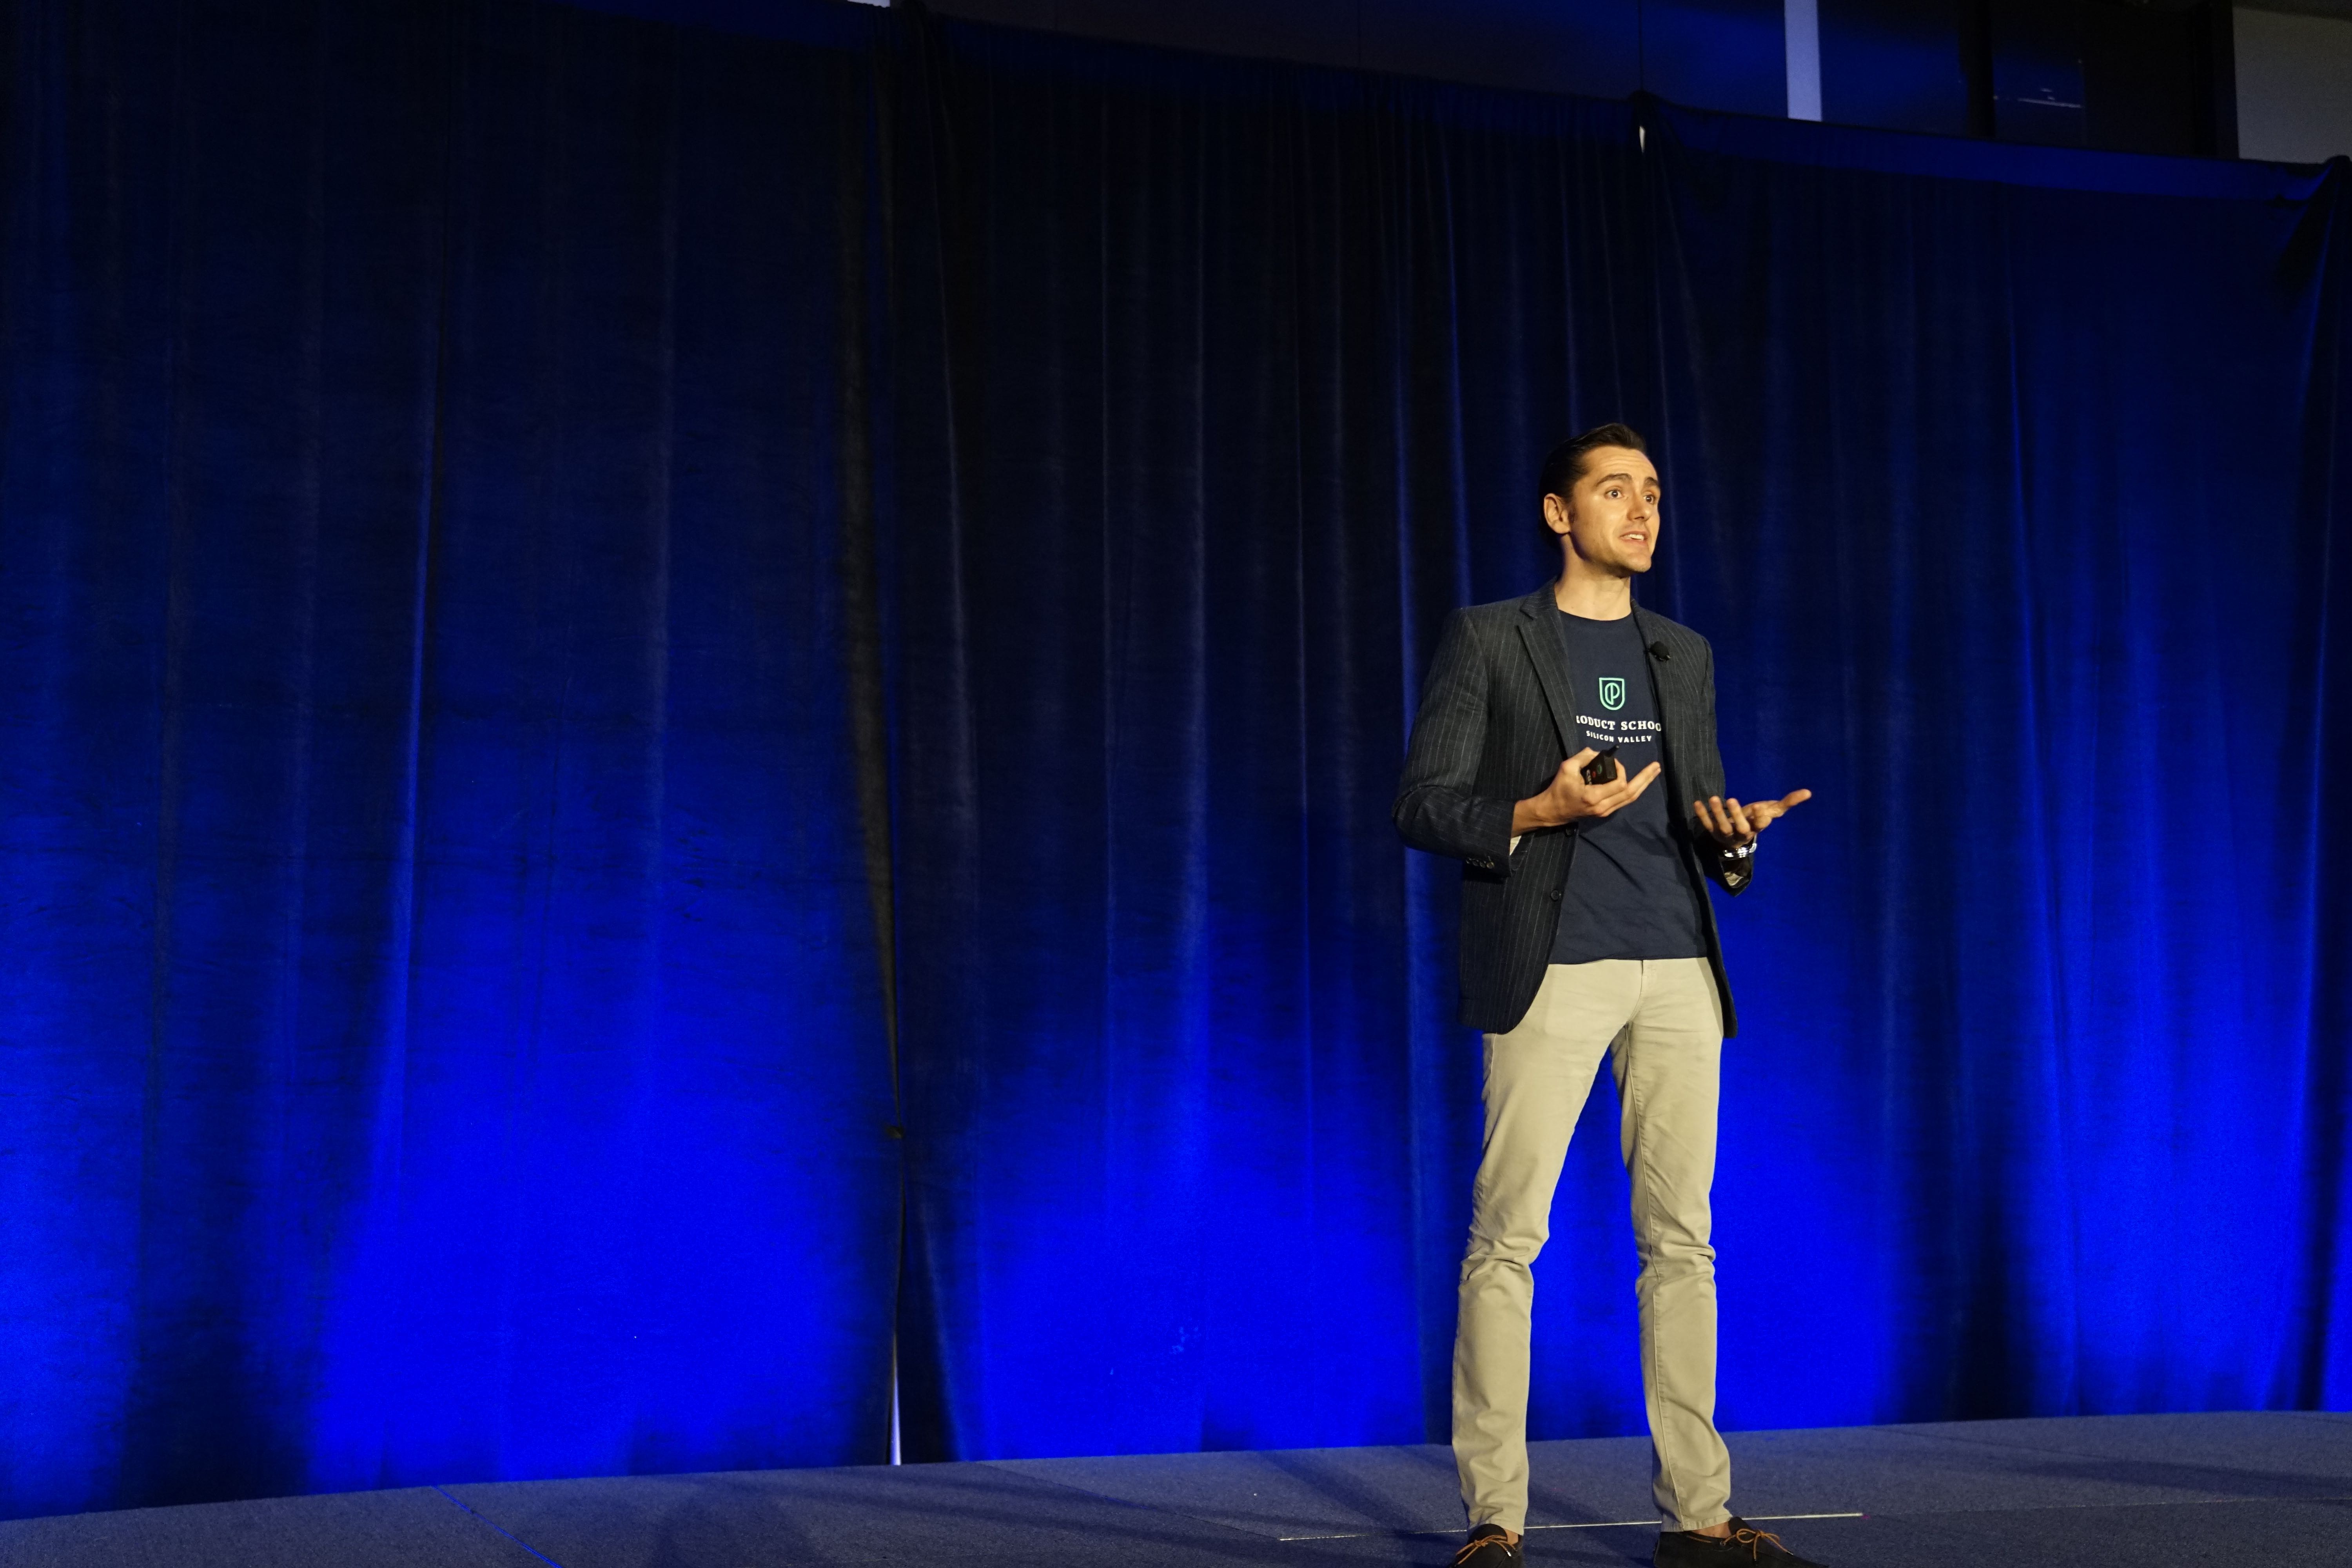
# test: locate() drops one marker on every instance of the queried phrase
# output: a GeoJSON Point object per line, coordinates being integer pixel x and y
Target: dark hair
{"type": "Point", "coordinates": [1564, 464]}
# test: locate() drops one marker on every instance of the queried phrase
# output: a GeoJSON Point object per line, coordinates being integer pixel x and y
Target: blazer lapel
{"type": "Point", "coordinates": [1540, 633]}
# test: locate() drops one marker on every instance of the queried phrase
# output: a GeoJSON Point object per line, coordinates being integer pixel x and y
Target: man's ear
{"type": "Point", "coordinates": [1556, 514]}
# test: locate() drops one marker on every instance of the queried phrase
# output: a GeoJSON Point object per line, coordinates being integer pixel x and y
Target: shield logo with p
{"type": "Point", "coordinates": [1613, 692]}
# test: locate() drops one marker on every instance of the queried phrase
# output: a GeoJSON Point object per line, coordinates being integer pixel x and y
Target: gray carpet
{"type": "Point", "coordinates": [2108, 1490]}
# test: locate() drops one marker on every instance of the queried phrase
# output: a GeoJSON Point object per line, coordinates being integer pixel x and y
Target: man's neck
{"type": "Point", "coordinates": [1595, 595]}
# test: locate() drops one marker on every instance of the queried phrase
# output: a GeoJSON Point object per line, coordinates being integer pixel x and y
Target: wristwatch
{"type": "Point", "coordinates": [1735, 874]}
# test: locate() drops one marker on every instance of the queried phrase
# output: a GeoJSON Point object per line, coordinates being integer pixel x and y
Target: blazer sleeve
{"type": "Point", "coordinates": [1436, 808]}
{"type": "Point", "coordinates": [1734, 873]}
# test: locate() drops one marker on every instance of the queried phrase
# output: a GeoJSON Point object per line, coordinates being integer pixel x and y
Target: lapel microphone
{"type": "Point", "coordinates": [1658, 651]}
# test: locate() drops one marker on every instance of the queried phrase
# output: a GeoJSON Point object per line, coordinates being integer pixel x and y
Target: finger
{"type": "Point", "coordinates": [1629, 790]}
{"type": "Point", "coordinates": [1739, 818]}
{"type": "Point", "coordinates": [1722, 822]}
{"type": "Point", "coordinates": [1578, 760]}
{"type": "Point", "coordinates": [1794, 798]}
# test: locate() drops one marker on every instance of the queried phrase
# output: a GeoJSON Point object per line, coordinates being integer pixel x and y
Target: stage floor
{"type": "Point", "coordinates": [2121, 1489]}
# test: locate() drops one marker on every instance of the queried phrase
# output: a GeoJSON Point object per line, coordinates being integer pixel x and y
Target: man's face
{"type": "Point", "coordinates": [1611, 519]}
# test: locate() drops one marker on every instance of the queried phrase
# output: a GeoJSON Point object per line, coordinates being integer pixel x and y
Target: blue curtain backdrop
{"type": "Point", "coordinates": [569, 582]}
{"type": "Point", "coordinates": [2005, 482]}
{"type": "Point", "coordinates": [2011, 492]}
{"type": "Point", "coordinates": [1244, 372]}
{"type": "Point", "coordinates": [443, 1028]}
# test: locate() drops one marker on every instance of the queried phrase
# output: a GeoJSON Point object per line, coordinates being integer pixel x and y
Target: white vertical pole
{"type": "Point", "coordinates": [1804, 30]}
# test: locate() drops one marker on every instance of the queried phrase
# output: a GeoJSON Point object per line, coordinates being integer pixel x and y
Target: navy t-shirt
{"type": "Point", "coordinates": [1629, 894]}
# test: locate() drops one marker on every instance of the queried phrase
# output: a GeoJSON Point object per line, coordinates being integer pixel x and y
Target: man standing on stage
{"type": "Point", "coordinates": [1586, 928]}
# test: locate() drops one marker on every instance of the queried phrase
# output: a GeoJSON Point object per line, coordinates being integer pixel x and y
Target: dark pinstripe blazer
{"type": "Point", "coordinates": [1496, 719]}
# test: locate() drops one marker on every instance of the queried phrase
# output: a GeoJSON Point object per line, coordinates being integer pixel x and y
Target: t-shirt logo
{"type": "Point", "coordinates": [1613, 692]}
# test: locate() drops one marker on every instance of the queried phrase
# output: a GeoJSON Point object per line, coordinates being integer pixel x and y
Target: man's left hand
{"type": "Point", "coordinates": [1732, 825]}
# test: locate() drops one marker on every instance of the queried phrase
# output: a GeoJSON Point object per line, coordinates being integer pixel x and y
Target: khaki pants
{"type": "Point", "coordinates": [1662, 1025]}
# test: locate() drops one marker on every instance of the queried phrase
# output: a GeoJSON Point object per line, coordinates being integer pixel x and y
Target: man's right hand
{"type": "Point", "coordinates": [1570, 799]}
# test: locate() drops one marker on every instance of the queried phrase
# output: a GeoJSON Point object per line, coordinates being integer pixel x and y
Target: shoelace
{"type": "Point", "coordinates": [1463, 1556]}
{"type": "Point", "coordinates": [1753, 1539]}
